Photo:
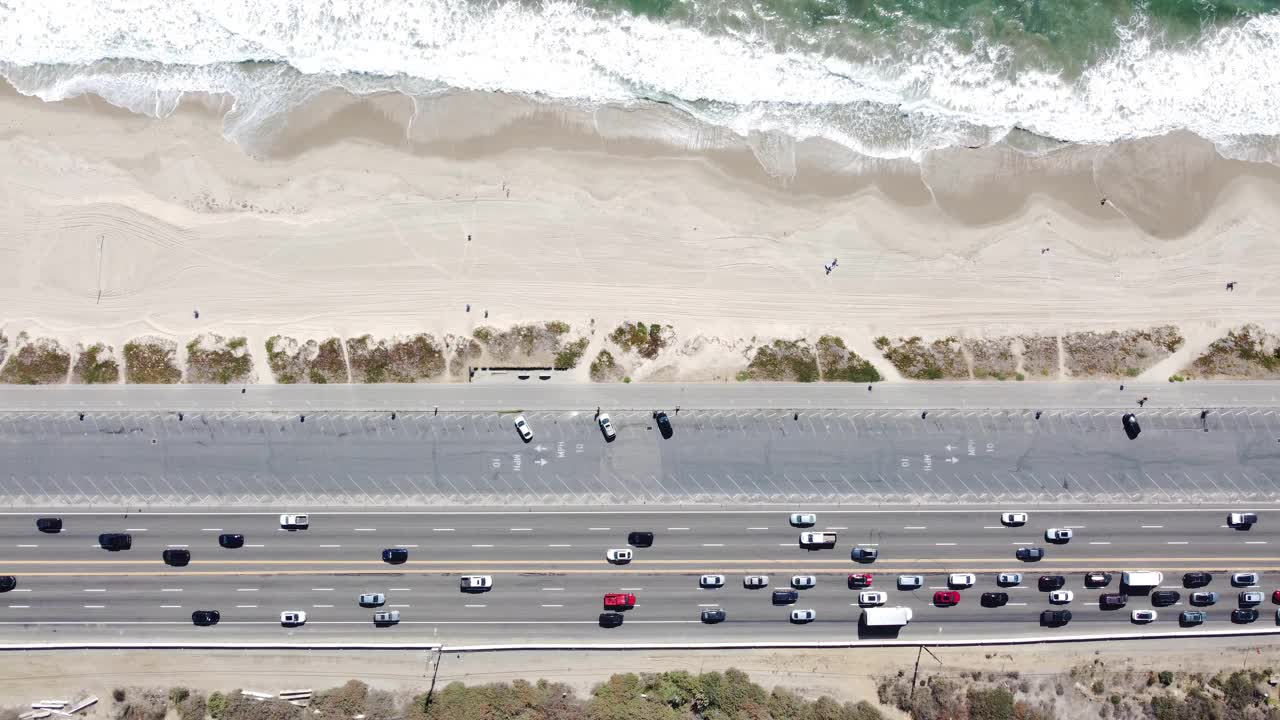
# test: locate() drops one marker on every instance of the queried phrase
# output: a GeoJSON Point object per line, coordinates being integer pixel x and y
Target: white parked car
{"type": "Point", "coordinates": [1057, 534]}
{"type": "Point", "coordinates": [372, 600]}
{"type": "Point", "coordinates": [294, 522]}
{"type": "Point", "coordinates": [476, 582]}
{"type": "Point", "coordinates": [1061, 597]}
{"type": "Point", "coordinates": [1013, 519]}
{"type": "Point", "coordinates": [755, 581]}
{"type": "Point", "coordinates": [1245, 579]}
{"type": "Point", "coordinates": [961, 580]}
{"type": "Point", "coordinates": [910, 582]}
{"type": "Point", "coordinates": [711, 581]}
{"type": "Point", "coordinates": [1009, 579]}
{"type": "Point", "coordinates": [606, 427]}
{"type": "Point", "coordinates": [1143, 616]}
{"type": "Point", "coordinates": [619, 556]}
{"type": "Point", "coordinates": [803, 519]}
{"type": "Point", "coordinates": [522, 427]}
{"type": "Point", "coordinates": [803, 616]}
{"type": "Point", "coordinates": [293, 618]}
{"type": "Point", "coordinates": [872, 597]}
{"type": "Point", "coordinates": [802, 582]}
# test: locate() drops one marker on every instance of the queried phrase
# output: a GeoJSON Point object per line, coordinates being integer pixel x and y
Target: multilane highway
{"type": "Point", "coordinates": [550, 573]}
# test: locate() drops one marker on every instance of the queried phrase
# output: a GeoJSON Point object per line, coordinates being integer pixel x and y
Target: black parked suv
{"type": "Point", "coordinates": [115, 541]}
{"type": "Point", "coordinates": [785, 597]}
{"type": "Point", "coordinates": [231, 540]}
{"type": "Point", "coordinates": [1055, 618]}
{"type": "Point", "coordinates": [176, 556]}
{"type": "Point", "coordinates": [49, 525]}
{"type": "Point", "coordinates": [713, 616]}
{"type": "Point", "coordinates": [1112, 601]}
{"type": "Point", "coordinates": [1163, 598]}
{"type": "Point", "coordinates": [640, 538]}
{"type": "Point", "coordinates": [1051, 582]}
{"type": "Point", "coordinates": [664, 424]}
{"type": "Point", "coordinates": [205, 618]}
{"type": "Point", "coordinates": [7, 583]}
{"type": "Point", "coordinates": [610, 619]}
{"type": "Point", "coordinates": [395, 556]}
{"type": "Point", "coordinates": [995, 599]}
{"type": "Point", "coordinates": [1196, 579]}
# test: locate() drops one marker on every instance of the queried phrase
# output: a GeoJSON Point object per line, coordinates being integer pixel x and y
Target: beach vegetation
{"type": "Point", "coordinates": [4, 347]}
{"type": "Point", "coordinates": [785, 361]}
{"type": "Point", "coordinates": [42, 361]}
{"type": "Point", "coordinates": [838, 363]}
{"type": "Point", "coordinates": [1247, 351]}
{"type": "Point", "coordinates": [918, 360]}
{"type": "Point", "coordinates": [213, 359]}
{"type": "Point", "coordinates": [416, 358]}
{"type": "Point", "coordinates": [95, 365]}
{"type": "Point", "coordinates": [466, 351]}
{"type": "Point", "coordinates": [627, 379]}
{"type": "Point", "coordinates": [526, 345]}
{"type": "Point", "coordinates": [605, 368]}
{"type": "Point", "coordinates": [645, 340]}
{"type": "Point", "coordinates": [316, 362]}
{"type": "Point", "coordinates": [571, 354]}
{"type": "Point", "coordinates": [1118, 353]}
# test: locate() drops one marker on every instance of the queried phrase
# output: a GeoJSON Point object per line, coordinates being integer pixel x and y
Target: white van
{"type": "Point", "coordinates": [1142, 578]}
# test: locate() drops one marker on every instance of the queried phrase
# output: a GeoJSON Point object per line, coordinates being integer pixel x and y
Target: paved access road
{"type": "Point", "coordinates": [550, 574]}
{"type": "Point", "coordinates": [734, 457]}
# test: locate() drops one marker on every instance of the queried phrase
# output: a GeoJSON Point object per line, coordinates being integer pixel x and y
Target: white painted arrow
{"type": "Point", "coordinates": [952, 460]}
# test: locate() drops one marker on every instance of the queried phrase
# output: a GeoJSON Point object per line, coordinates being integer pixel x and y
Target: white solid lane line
{"type": "Point", "coordinates": [992, 527]}
{"type": "Point", "coordinates": [1022, 543]}
{"type": "Point", "coordinates": [837, 527]}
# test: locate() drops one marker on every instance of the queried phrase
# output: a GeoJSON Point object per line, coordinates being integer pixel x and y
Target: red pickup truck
{"type": "Point", "coordinates": [619, 601]}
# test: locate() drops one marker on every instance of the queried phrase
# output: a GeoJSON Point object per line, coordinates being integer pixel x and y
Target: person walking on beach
{"type": "Point", "coordinates": [1231, 286]}
{"type": "Point", "coordinates": [827, 268]}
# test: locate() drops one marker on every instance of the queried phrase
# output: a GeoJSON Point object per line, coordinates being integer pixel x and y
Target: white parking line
{"type": "Point", "coordinates": [1074, 527]}
{"type": "Point", "coordinates": [135, 529]}
{"type": "Point", "coordinates": [255, 546]}
{"type": "Point", "coordinates": [1021, 543]}
{"type": "Point", "coordinates": [246, 606]}
{"type": "Point", "coordinates": [992, 527]}
{"type": "Point", "coordinates": [708, 605]}
{"type": "Point", "coordinates": [837, 527]}
{"type": "Point", "coordinates": [398, 589]}
{"type": "Point", "coordinates": [1099, 542]}
{"type": "Point", "coordinates": [599, 528]}
{"type": "Point", "coordinates": [631, 589]}
{"type": "Point", "coordinates": [179, 546]}
{"type": "Point", "coordinates": [1021, 604]}
{"type": "Point", "coordinates": [677, 528]}
{"type": "Point", "coordinates": [406, 605]}
{"type": "Point", "coordinates": [321, 606]}
{"type": "Point", "coordinates": [173, 607]}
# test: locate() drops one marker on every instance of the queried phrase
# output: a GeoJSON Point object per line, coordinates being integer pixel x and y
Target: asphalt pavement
{"type": "Point", "coordinates": [550, 573]}
{"type": "Point", "coordinates": [736, 457]}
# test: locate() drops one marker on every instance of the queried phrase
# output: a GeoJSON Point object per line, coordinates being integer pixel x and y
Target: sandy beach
{"type": "Point", "coordinates": [356, 220]}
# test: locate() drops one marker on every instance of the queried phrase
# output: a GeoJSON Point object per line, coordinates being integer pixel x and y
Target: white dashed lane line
{"type": "Point", "coordinates": [28, 546]}
{"type": "Point", "coordinates": [559, 546]}
{"type": "Point", "coordinates": [1152, 527]}
{"type": "Point", "coordinates": [915, 527]}
{"type": "Point", "coordinates": [135, 529]}
{"type": "Point", "coordinates": [95, 589]}
{"type": "Point", "coordinates": [321, 589]}
{"type": "Point", "coordinates": [210, 529]}
{"type": "Point", "coordinates": [170, 589]}
{"type": "Point", "coordinates": [481, 546]}
{"type": "Point", "coordinates": [599, 528]}
{"type": "Point", "coordinates": [243, 607]}
{"type": "Point", "coordinates": [330, 546]}
{"type": "Point", "coordinates": [366, 529]}
{"type": "Point", "coordinates": [441, 529]}
{"type": "Point", "coordinates": [521, 529]}
{"type": "Point", "coordinates": [552, 606]}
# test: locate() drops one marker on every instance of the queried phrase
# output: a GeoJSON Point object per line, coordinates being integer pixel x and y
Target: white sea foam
{"type": "Point", "coordinates": [271, 54]}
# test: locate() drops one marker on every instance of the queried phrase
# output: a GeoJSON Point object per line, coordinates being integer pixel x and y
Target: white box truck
{"type": "Point", "coordinates": [886, 616]}
{"type": "Point", "coordinates": [1142, 578]}
{"type": "Point", "coordinates": [818, 539]}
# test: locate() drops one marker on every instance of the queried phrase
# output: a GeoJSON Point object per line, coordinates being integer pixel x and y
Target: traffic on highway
{"type": "Point", "coordinates": [772, 574]}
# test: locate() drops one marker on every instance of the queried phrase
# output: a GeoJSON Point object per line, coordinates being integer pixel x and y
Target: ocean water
{"type": "Point", "coordinates": [884, 78]}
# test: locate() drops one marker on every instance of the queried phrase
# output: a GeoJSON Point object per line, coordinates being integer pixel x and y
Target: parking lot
{"type": "Point", "coordinates": [740, 457]}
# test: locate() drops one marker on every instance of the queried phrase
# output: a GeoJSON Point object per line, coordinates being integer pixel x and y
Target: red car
{"type": "Point", "coordinates": [860, 580]}
{"type": "Point", "coordinates": [619, 601]}
{"type": "Point", "coordinates": [946, 598]}
{"type": "Point", "coordinates": [1275, 597]}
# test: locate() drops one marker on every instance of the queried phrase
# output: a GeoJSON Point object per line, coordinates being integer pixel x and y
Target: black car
{"type": "Point", "coordinates": [1131, 427]}
{"type": "Point", "coordinates": [176, 556]}
{"type": "Point", "coordinates": [1051, 582]}
{"type": "Point", "coordinates": [395, 556]}
{"type": "Point", "coordinates": [205, 618]}
{"type": "Point", "coordinates": [713, 616]}
{"type": "Point", "coordinates": [231, 540]}
{"type": "Point", "coordinates": [1112, 601]}
{"type": "Point", "coordinates": [49, 525]}
{"type": "Point", "coordinates": [1029, 554]}
{"type": "Point", "coordinates": [1055, 618]}
{"type": "Point", "coordinates": [995, 599]}
{"type": "Point", "coordinates": [610, 619]}
{"type": "Point", "coordinates": [785, 597]}
{"type": "Point", "coordinates": [640, 538]}
{"type": "Point", "coordinates": [1196, 579]}
{"type": "Point", "coordinates": [1244, 615]}
{"type": "Point", "coordinates": [1163, 598]}
{"type": "Point", "coordinates": [115, 541]}
{"type": "Point", "coordinates": [7, 583]}
{"type": "Point", "coordinates": [1097, 579]}
{"type": "Point", "coordinates": [664, 424]}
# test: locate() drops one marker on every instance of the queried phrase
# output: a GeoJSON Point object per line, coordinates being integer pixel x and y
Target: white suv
{"type": "Point", "coordinates": [711, 581]}
{"type": "Point", "coordinates": [294, 522]}
{"type": "Point", "coordinates": [961, 580]}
